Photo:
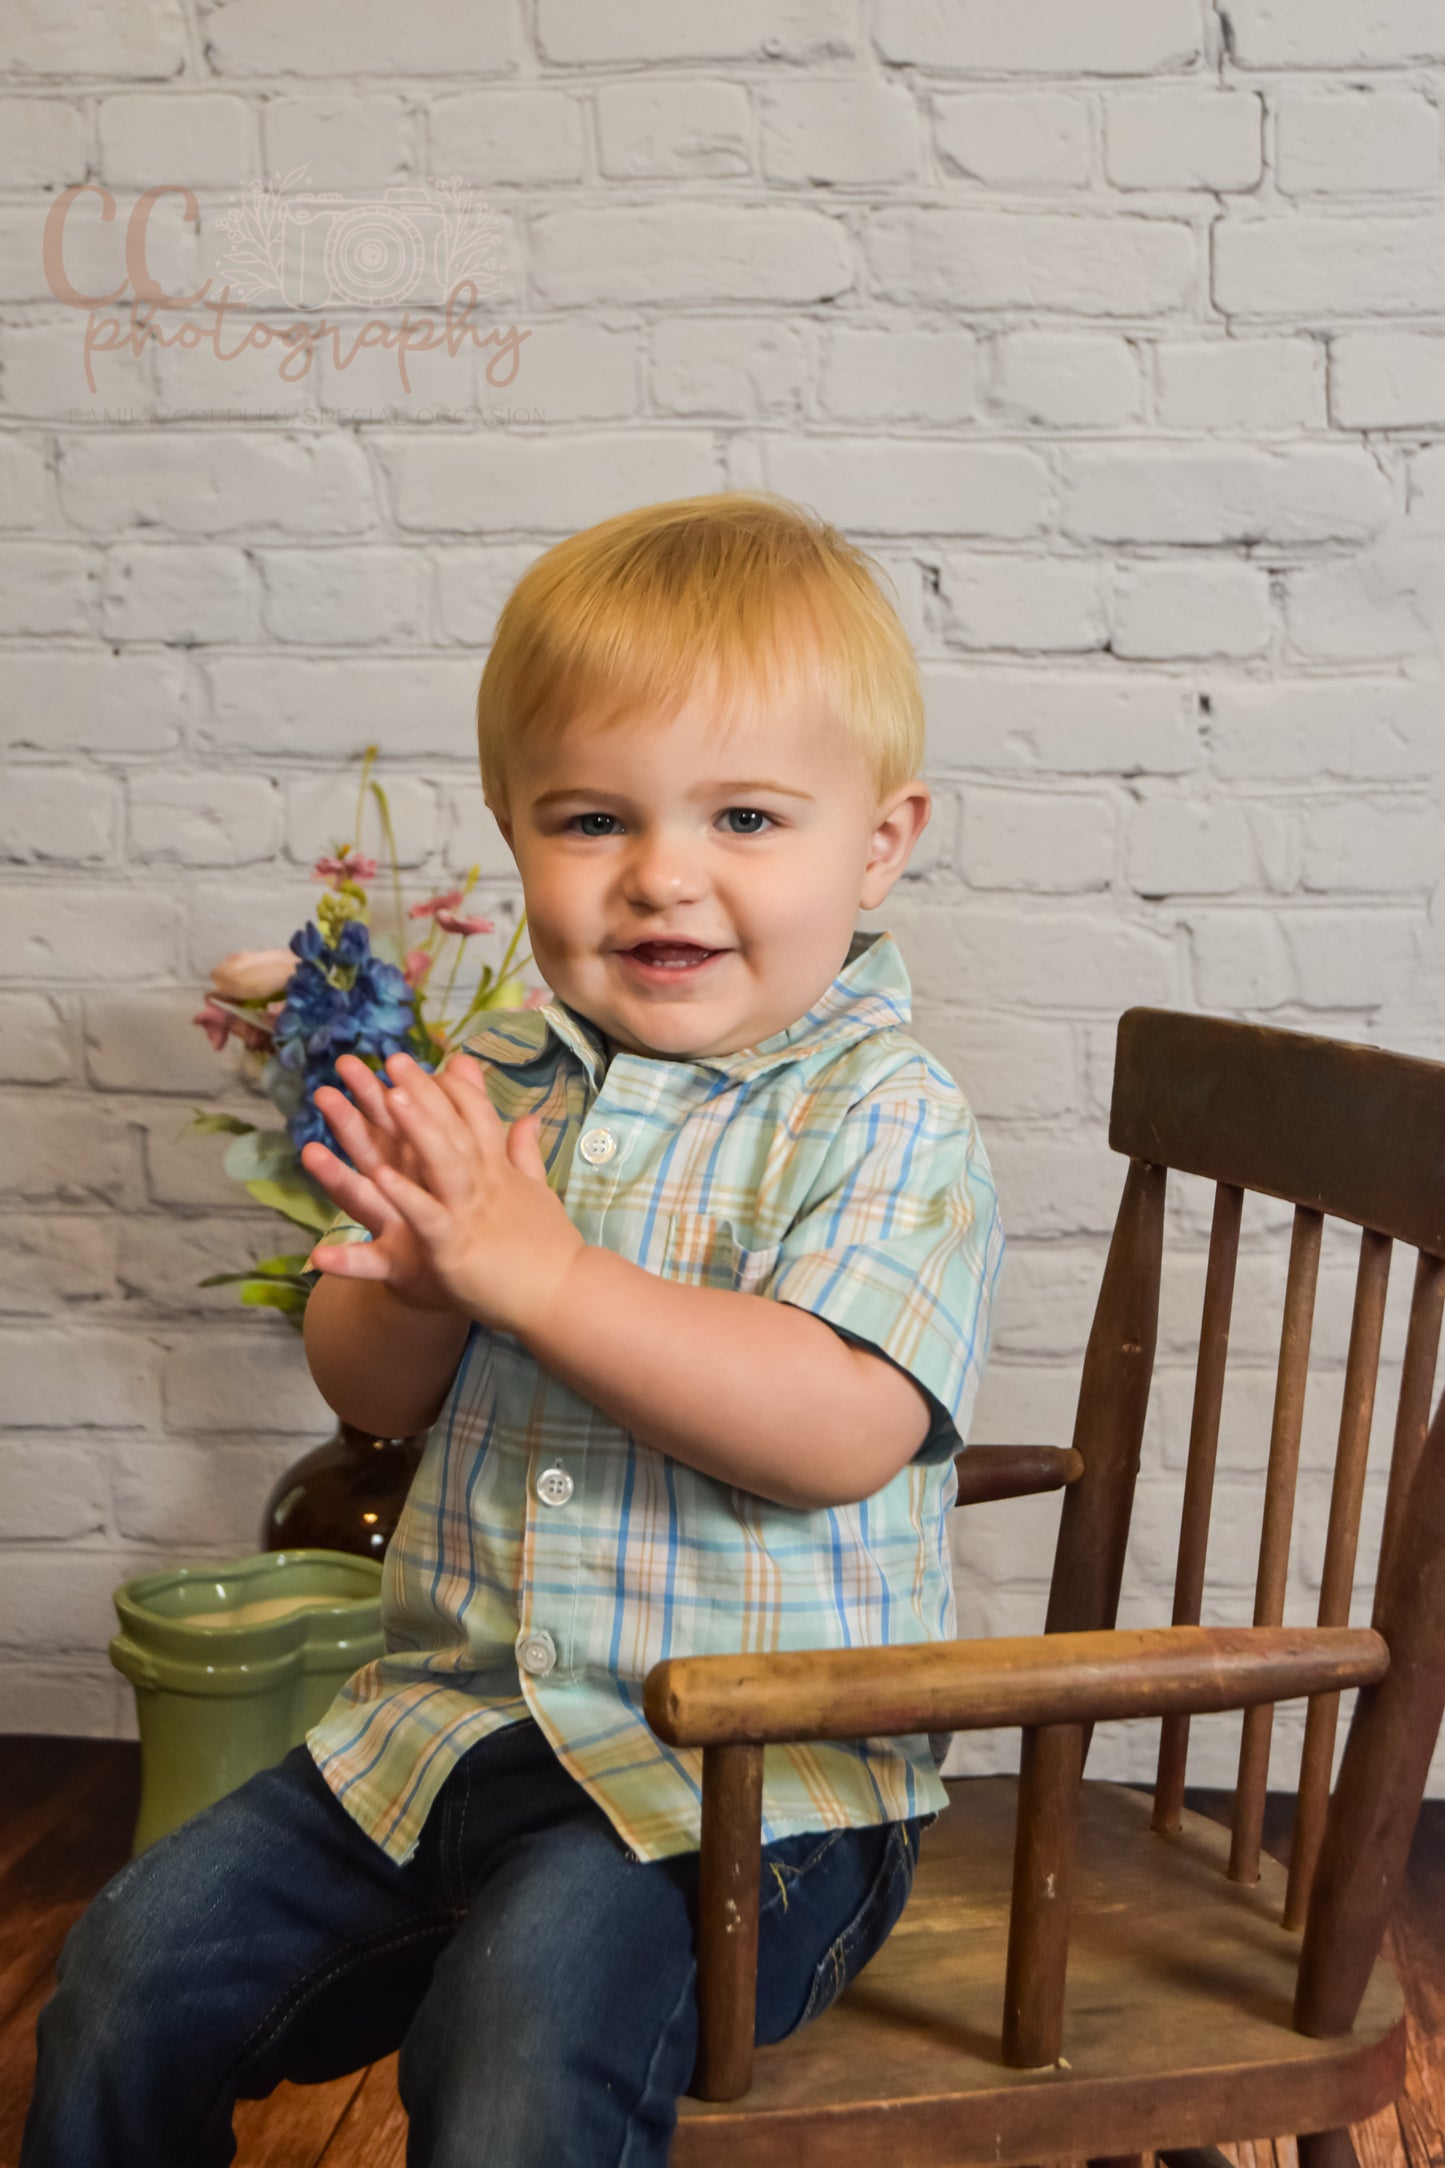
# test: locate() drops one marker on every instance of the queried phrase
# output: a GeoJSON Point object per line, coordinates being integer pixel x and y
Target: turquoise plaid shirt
{"type": "Point", "coordinates": [546, 1559]}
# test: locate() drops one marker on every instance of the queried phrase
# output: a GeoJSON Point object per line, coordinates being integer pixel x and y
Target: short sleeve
{"type": "Point", "coordinates": [899, 1243]}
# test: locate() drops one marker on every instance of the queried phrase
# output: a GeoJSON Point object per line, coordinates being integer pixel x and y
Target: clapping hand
{"type": "Point", "coordinates": [456, 1199]}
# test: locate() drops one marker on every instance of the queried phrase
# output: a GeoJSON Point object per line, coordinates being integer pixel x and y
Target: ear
{"type": "Point", "coordinates": [897, 825]}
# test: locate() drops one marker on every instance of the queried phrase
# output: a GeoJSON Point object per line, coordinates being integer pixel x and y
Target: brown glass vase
{"type": "Point", "coordinates": [347, 1495]}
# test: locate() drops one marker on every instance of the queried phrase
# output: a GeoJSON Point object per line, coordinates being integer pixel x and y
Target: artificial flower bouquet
{"type": "Point", "coordinates": [336, 990]}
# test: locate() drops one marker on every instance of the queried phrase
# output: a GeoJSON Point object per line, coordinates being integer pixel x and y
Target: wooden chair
{"type": "Point", "coordinates": [1193, 2009]}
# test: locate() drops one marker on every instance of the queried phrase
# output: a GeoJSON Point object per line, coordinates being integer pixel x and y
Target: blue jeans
{"type": "Point", "coordinates": [538, 1980]}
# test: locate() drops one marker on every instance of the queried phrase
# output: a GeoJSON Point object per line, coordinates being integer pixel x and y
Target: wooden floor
{"type": "Point", "coordinates": [65, 1821]}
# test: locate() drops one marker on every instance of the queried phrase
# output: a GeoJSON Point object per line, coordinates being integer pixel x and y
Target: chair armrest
{"type": "Point", "coordinates": [986, 1472]}
{"type": "Point", "coordinates": [1053, 1685]}
{"type": "Point", "coordinates": [1026, 1679]}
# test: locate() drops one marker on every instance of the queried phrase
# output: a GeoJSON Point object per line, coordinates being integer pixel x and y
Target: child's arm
{"type": "Point", "coordinates": [384, 1342]}
{"type": "Point", "coordinates": [378, 1362]}
{"type": "Point", "coordinates": [759, 1393]}
{"type": "Point", "coordinates": [755, 1392]}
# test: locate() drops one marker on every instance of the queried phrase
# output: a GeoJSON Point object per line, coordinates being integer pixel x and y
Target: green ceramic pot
{"type": "Point", "coordinates": [232, 1664]}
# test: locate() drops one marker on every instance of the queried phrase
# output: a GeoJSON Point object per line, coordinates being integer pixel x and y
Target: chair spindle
{"type": "Point", "coordinates": [1284, 1442]}
{"type": "Point", "coordinates": [1050, 1769]}
{"type": "Point", "coordinates": [1386, 1762]}
{"type": "Point", "coordinates": [1199, 1479]}
{"type": "Point", "coordinates": [1113, 1404]}
{"type": "Point", "coordinates": [1412, 1413]}
{"type": "Point", "coordinates": [1338, 1580]}
{"type": "Point", "coordinates": [727, 1920]}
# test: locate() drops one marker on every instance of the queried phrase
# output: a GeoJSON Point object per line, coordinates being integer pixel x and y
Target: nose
{"type": "Point", "coordinates": [662, 870]}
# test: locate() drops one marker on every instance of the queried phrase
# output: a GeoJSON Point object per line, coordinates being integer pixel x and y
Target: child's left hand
{"type": "Point", "coordinates": [497, 1238]}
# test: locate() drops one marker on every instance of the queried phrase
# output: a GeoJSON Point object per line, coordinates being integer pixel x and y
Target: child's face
{"type": "Point", "coordinates": [761, 845]}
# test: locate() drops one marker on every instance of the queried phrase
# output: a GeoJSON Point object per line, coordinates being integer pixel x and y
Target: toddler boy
{"type": "Point", "coordinates": [689, 1275]}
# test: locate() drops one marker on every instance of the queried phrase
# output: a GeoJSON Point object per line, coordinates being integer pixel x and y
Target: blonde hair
{"type": "Point", "coordinates": [742, 590]}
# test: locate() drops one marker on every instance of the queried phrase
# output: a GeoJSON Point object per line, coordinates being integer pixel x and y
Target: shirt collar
{"type": "Point", "coordinates": [871, 993]}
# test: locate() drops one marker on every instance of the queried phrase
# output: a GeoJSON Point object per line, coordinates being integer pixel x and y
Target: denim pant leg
{"type": "Point", "coordinates": [538, 1978]}
{"type": "Point", "coordinates": [560, 2023]}
{"type": "Point", "coordinates": [265, 1938]}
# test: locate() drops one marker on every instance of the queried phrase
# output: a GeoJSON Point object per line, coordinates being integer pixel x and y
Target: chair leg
{"type": "Point", "coordinates": [1327, 2149]}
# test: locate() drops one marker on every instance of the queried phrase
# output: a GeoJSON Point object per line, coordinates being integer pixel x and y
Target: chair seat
{"type": "Point", "coordinates": [1177, 2026]}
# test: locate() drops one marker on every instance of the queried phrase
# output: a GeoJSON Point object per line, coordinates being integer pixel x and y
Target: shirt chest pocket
{"type": "Point", "coordinates": [702, 1250]}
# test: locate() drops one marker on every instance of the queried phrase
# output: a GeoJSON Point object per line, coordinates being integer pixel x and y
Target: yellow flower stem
{"type": "Point", "coordinates": [460, 940]}
{"type": "Point", "coordinates": [505, 963]}
{"type": "Point", "coordinates": [367, 759]}
{"type": "Point", "coordinates": [380, 796]}
{"type": "Point", "coordinates": [479, 1000]}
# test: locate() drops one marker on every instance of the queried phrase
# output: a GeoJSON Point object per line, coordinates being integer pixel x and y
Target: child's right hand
{"type": "Point", "coordinates": [370, 1135]}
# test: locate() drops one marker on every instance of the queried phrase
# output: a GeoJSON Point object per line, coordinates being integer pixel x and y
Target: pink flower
{"type": "Point", "coordinates": [418, 962]}
{"type": "Point", "coordinates": [353, 867]}
{"type": "Point", "coordinates": [430, 908]}
{"type": "Point", "coordinates": [252, 974]}
{"type": "Point", "coordinates": [451, 923]}
{"type": "Point", "coordinates": [535, 997]}
{"type": "Point", "coordinates": [218, 1025]}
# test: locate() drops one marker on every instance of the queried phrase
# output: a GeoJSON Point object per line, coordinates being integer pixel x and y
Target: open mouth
{"type": "Point", "coordinates": [669, 959]}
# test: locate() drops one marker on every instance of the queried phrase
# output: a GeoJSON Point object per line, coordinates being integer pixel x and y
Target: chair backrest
{"type": "Point", "coordinates": [1340, 1130]}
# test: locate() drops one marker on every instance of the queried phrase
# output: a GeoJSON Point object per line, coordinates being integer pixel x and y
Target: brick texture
{"type": "Point", "coordinates": [1116, 333]}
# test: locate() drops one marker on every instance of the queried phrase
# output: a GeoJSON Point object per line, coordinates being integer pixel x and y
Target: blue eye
{"type": "Point", "coordinates": [748, 812]}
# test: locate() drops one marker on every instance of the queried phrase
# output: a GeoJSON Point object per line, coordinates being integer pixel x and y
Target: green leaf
{"type": "Point", "coordinates": [262, 1155]}
{"type": "Point", "coordinates": [292, 1261]}
{"type": "Point", "coordinates": [296, 1197]}
{"type": "Point", "coordinates": [268, 1295]}
{"type": "Point", "coordinates": [300, 1280]}
{"type": "Point", "coordinates": [228, 1124]}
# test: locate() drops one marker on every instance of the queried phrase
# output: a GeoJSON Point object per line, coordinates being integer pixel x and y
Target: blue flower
{"type": "Point", "coordinates": [307, 1126]}
{"type": "Point", "coordinates": [309, 943]}
{"type": "Point", "coordinates": [382, 1002]}
{"type": "Point", "coordinates": [354, 945]}
{"type": "Point", "coordinates": [374, 1014]}
{"type": "Point", "coordinates": [311, 1004]}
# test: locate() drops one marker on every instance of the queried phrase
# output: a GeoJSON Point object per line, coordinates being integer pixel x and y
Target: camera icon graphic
{"type": "Point", "coordinates": [337, 252]}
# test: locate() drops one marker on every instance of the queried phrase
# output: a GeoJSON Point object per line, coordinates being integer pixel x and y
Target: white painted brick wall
{"type": "Point", "coordinates": [1387, 379]}
{"type": "Point", "coordinates": [1080, 379]}
{"type": "Point", "coordinates": [1012, 139]}
{"type": "Point", "coordinates": [1117, 333]}
{"type": "Point", "coordinates": [1361, 141]}
{"type": "Point", "coordinates": [1184, 139]}
{"type": "Point", "coordinates": [664, 130]}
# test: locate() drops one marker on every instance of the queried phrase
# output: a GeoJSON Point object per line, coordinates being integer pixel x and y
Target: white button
{"type": "Point", "coordinates": [536, 1652]}
{"type": "Point", "coordinates": [554, 1486]}
{"type": "Point", "coordinates": [597, 1145]}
